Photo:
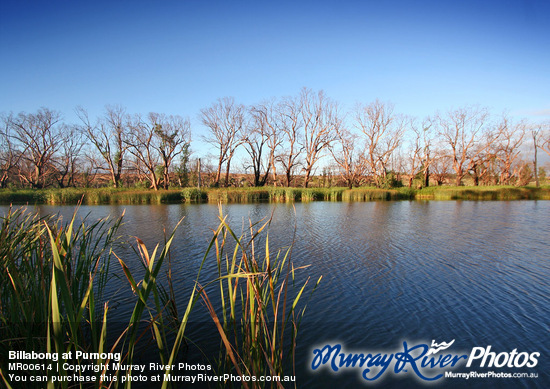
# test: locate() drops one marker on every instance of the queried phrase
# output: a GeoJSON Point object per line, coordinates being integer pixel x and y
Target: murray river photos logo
{"type": "Point", "coordinates": [428, 363]}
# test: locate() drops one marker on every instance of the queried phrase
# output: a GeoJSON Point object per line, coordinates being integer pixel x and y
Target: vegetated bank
{"type": "Point", "coordinates": [92, 196]}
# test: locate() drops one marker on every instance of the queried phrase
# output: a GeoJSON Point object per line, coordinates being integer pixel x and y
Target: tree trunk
{"type": "Point", "coordinates": [274, 172]}
{"type": "Point", "coordinates": [537, 183]}
{"type": "Point", "coordinates": [199, 173]}
{"type": "Point", "coordinates": [154, 181]}
{"type": "Point", "coordinates": [458, 180]}
{"type": "Point", "coordinates": [218, 175]}
{"type": "Point", "coordinates": [476, 176]}
{"type": "Point", "coordinates": [227, 174]}
{"type": "Point", "coordinates": [427, 177]}
{"type": "Point", "coordinates": [307, 178]}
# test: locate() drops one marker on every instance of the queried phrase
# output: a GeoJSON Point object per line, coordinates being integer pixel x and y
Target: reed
{"type": "Point", "coordinates": [53, 275]}
{"type": "Point", "coordinates": [193, 195]}
{"type": "Point", "coordinates": [21, 196]}
{"type": "Point", "coordinates": [94, 196]}
{"type": "Point", "coordinates": [52, 282]}
{"type": "Point", "coordinates": [259, 311]}
{"type": "Point", "coordinates": [484, 193]}
{"type": "Point", "coordinates": [373, 194]}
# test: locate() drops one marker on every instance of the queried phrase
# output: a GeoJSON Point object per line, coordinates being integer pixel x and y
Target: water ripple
{"type": "Point", "coordinates": [472, 271]}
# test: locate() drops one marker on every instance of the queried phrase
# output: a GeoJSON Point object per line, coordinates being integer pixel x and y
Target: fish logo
{"type": "Point", "coordinates": [435, 348]}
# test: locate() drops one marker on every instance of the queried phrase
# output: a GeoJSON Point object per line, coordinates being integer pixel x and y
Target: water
{"type": "Point", "coordinates": [476, 272]}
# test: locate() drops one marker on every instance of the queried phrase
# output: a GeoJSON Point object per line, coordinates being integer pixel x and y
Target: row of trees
{"type": "Point", "coordinates": [292, 134]}
{"type": "Point", "coordinates": [286, 137]}
{"type": "Point", "coordinates": [39, 150]}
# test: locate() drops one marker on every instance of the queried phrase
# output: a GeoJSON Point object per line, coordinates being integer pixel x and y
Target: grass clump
{"type": "Point", "coordinates": [192, 195]}
{"type": "Point", "coordinates": [258, 314]}
{"type": "Point", "coordinates": [375, 194]}
{"type": "Point", "coordinates": [484, 193]}
{"type": "Point", "coordinates": [21, 196]}
{"type": "Point", "coordinates": [52, 279]}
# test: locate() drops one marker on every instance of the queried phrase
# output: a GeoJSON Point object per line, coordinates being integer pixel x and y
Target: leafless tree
{"type": "Point", "coordinates": [425, 146]}
{"type": "Point", "coordinates": [267, 117]}
{"type": "Point", "coordinates": [225, 120]}
{"type": "Point", "coordinates": [89, 167]}
{"type": "Point", "coordinates": [288, 113]}
{"type": "Point", "coordinates": [441, 167]}
{"type": "Point", "coordinates": [464, 131]}
{"type": "Point", "coordinates": [66, 162]}
{"type": "Point", "coordinates": [39, 135]}
{"type": "Point", "coordinates": [9, 155]}
{"type": "Point", "coordinates": [414, 155]}
{"type": "Point", "coordinates": [320, 118]}
{"type": "Point", "coordinates": [141, 144]}
{"type": "Point", "coordinates": [508, 148]}
{"type": "Point", "coordinates": [537, 143]}
{"type": "Point", "coordinates": [256, 143]}
{"type": "Point", "coordinates": [347, 154]}
{"type": "Point", "coordinates": [383, 131]}
{"type": "Point", "coordinates": [543, 141]}
{"type": "Point", "coordinates": [483, 158]}
{"type": "Point", "coordinates": [108, 135]}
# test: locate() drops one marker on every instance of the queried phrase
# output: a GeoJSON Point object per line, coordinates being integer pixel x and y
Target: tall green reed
{"type": "Point", "coordinates": [258, 315]}
{"type": "Point", "coordinates": [53, 276]}
{"type": "Point", "coordinates": [50, 277]}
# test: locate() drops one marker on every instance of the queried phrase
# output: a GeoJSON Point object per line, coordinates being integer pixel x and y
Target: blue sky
{"type": "Point", "coordinates": [177, 57]}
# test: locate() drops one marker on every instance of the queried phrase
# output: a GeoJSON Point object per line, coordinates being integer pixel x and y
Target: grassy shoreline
{"type": "Point", "coordinates": [266, 194]}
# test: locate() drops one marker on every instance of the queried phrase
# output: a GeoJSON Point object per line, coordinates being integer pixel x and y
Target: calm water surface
{"type": "Point", "coordinates": [476, 272]}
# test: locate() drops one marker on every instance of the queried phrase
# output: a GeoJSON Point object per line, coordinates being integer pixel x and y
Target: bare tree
{"type": "Point", "coordinates": [288, 113]}
{"type": "Point", "coordinates": [441, 167]}
{"type": "Point", "coordinates": [535, 133]}
{"type": "Point", "coordinates": [267, 118]}
{"type": "Point", "coordinates": [88, 169]}
{"type": "Point", "coordinates": [415, 153]}
{"type": "Point", "coordinates": [348, 156]}
{"type": "Point", "coordinates": [508, 148]}
{"type": "Point", "coordinates": [225, 120]}
{"type": "Point", "coordinates": [543, 141]}
{"type": "Point", "coordinates": [68, 156]}
{"type": "Point", "coordinates": [320, 118]}
{"type": "Point", "coordinates": [108, 135]}
{"type": "Point", "coordinates": [256, 137]}
{"type": "Point", "coordinates": [464, 131]}
{"type": "Point", "coordinates": [383, 131]}
{"type": "Point", "coordinates": [9, 155]}
{"type": "Point", "coordinates": [39, 135]}
{"type": "Point", "coordinates": [141, 144]}
{"type": "Point", "coordinates": [426, 143]}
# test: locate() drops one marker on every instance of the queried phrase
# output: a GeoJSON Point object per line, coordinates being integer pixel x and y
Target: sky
{"type": "Point", "coordinates": [177, 57]}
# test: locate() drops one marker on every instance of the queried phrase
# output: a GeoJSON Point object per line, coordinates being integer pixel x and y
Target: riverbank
{"type": "Point", "coordinates": [91, 196]}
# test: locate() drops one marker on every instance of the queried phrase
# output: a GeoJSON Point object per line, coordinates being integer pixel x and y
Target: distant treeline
{"type": "Point", "coordinates": [278, 141]}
